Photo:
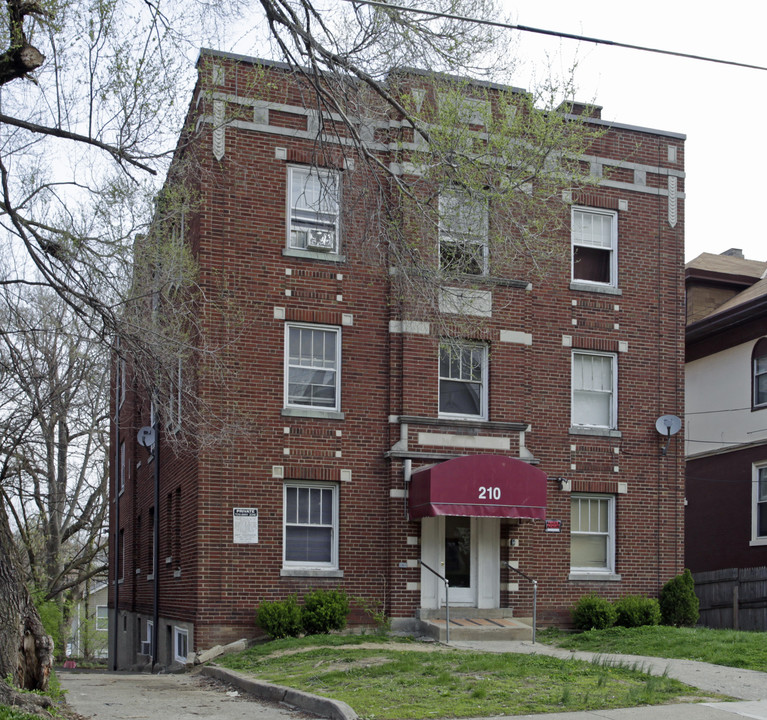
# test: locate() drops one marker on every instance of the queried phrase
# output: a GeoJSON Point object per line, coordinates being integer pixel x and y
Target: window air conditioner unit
{"type": "Point", "coordinates": [320, 241]}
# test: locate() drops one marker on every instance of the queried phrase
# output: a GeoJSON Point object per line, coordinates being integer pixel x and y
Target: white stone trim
{"type": "Point", "coordinates": [464, 441]}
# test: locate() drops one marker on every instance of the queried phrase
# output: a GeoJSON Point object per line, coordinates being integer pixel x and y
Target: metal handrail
{"type": "Point", "coordinates": [447, 599]}
{"type": "Point", "coordinates": [535, 594]}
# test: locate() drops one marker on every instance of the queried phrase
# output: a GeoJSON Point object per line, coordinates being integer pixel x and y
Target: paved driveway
{"type": "Point", "coordinates": [135, 696]}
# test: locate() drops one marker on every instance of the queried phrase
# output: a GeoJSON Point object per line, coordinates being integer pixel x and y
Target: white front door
{"type": "Point", "coordinates": [461, 560]}
{"type": "Point", "coordinates": [467, 552]}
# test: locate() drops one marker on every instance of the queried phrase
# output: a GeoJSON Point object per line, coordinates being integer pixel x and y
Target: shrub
{"type": "Point", "coordinates": [592, 612]}
{"type": "Point", "coordinates": [280, 618]}
{"type": "Point", "coordinates": [679, 605]}
{"type": "Point", "coordinates": [636, 610]}
{"type": "Point", "coordinates": [324, 610]}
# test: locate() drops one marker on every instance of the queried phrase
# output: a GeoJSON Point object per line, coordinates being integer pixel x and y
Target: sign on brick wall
{"type": "Point", "coordinates": [245, 525]}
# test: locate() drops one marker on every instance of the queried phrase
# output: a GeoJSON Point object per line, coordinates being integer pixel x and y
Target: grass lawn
{"type": "Point", "coordinates": [721, 647]}
{"type": "Point", "coordinates": [385, 679]}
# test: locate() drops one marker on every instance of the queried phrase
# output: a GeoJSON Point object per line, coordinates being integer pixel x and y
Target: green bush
{"type": "Point", "coordinates": [679, 605]}
{"type": "Point", "coordinates": [636, 611]}
{"type": "Point", "coordinates": [281, 618]}
{"type": "Point", "coordinates": [592, 612]}
{"type": "Point", "coordinates": [324, 610]}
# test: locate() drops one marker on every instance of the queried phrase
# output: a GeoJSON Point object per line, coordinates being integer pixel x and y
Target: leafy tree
{"type": "Point", "coordinates": [54, 482]}
{"type": "Point", "coordinates": [91, 106]}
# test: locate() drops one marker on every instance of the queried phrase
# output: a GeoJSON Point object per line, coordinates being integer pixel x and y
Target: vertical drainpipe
{"type": "Point", "coordinates": [118, 549]}
{"type": "Point", "coordinates": [156, 542]}
{"type": "Point", "coordinates": [407, 471]}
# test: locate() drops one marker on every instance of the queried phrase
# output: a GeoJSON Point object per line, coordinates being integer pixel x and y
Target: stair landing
{"type": "Point", "coordinates": [483, 626]}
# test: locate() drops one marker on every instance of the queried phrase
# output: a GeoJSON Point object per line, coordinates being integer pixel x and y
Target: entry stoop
{"type": "Point", "coordinates": [474, 624]}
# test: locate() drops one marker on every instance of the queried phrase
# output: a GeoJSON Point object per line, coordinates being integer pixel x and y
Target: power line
{"type": "Point", "coordinates": [554, 33]}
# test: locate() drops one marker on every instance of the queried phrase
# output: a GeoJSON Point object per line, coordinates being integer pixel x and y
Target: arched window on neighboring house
{"type": "Point", "coordinates": [759, 375]}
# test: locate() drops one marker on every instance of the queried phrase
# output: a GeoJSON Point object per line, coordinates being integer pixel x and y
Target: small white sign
{"type": "Point", "coordinates": [245, 525]}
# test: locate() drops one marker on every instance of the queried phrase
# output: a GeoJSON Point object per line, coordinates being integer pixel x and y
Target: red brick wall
{"type": "Point", "coordinates": [239, 234]}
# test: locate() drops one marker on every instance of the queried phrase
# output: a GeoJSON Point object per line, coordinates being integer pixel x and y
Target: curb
{"type": "Point", "coordinates": [321, 706]}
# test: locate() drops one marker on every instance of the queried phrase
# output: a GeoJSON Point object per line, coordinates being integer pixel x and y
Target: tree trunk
{"type": "Point", "coordinates": [26, 650]}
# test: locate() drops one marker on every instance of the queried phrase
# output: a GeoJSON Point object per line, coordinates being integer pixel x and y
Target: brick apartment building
{"type": "Point", "coordinates": [373, 446]}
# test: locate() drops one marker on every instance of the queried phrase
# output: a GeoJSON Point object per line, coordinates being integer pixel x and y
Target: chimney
{"type": "Point", "coordinates": [733, 252]}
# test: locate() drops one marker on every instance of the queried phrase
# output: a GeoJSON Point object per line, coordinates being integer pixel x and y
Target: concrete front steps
{"type": "Point", "coordinates": [475, 624]}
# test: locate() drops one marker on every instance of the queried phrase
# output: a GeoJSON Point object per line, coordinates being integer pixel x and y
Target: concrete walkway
{"type": "Point", "coordinates": [139, 696]}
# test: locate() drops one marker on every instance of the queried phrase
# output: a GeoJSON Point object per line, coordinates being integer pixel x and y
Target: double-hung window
{"type": "Point", "coordinates": [759, 367]}
{"type": "Point", "coordinates": [175, 388]}
{"type": "Point", "coordinates": [311, 525]}
{"type": "Point", "coordinates": [181, 644]}
{"type": "Point", "coordinates": [463, 380]}
{"type": "Point", "coordinates": [462, 234]}
{"type": "Point", "coordinates": [592, 534]}
{"type": "Point", "coordinates": [312, 367]}
{"type": "Point", "coordinates": [102, 618]}
{"type": "Point", "coordinates": [313, 212]}
{"type": "Point", "coordinates": [759, 505]}
{"type": "Point", "coordinates": [595, 251]}
{"type": "Point", "coordinates": [146, 643]}
{"type": "Point", "coordinates": [594, 390]}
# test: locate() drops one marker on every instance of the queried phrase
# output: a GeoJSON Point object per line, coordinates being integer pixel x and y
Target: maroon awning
{"type": "Point", "coordinates": [479, 486]}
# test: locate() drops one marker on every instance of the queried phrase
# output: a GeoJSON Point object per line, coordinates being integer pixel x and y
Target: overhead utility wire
{"type": "Point", "coordinates": [554, 33]}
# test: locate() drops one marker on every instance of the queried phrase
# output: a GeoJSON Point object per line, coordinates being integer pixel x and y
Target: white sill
{"type": "Point", "coordinates": [584, 576]}
{"type": "Point", "coordinates": [313, 413]}
{"type": "Point", "coordinates": [600, 431]}
{"type": "Point", "coordinates": [595, 288]}
{"type": "Point", "coordinates": [311, 572]}
{"type": "Point", "coordinates": [312, 255]}
{"type": "Point", "coordinates": [471, 418]}
{"type": "Point", "coordinates": [758, 541]}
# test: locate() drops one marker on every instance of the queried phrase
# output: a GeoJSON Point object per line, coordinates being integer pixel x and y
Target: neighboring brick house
{"type": "Point", "coordinates": [372, 446]}
{"type": "Point", "coordinates": [726, 420]}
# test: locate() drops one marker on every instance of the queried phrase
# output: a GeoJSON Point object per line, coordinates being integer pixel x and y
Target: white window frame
{"type": "Point", "coordinates": [332, 563]}
{"type": "Point", "coordinates": [756, 373]}
{"type": "Point", "coordinates": [173, 421]}
{"type": "Point", "coordinates": [179, 633]}
{"type": "Point", "coordinates": [577, 241]}
{"type": "Point", "coordinates": [447, 237]}
{"type": "Point", "coordinates": [328, 205]}
{"type": "Point", "coordinates": [613, 404]}
{"type": "Point", "coordinates": [102, 621]}
{"type": "Point", "coordinates": [146, 643]}
{"type": "Point", "coordinates": [483, 397]}
{"type": "Point", "coordinates": [608, 571]}
{"type": "Point", "coordinates": [121, 385]}
{"type": "Point", "coordinates": [757, 499]}
{"type": "Point", "coordinates": [123, 467]}
{"type": "Point", "coordinates": [120, 555]}
{"type": "Point", "coordinates": [336, 407]}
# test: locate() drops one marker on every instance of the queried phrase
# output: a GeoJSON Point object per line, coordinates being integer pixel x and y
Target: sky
{"type": "Point", "coordinates": [721, 109]}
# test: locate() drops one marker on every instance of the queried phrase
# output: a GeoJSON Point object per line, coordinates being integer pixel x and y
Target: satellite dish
{"type": "Point", "coordinates": [146, 436]}
{"type": "Point", "coordinates": [668, 425]}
